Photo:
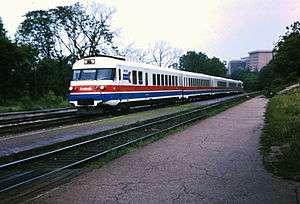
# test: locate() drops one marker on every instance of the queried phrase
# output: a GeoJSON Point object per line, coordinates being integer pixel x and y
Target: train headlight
{"type": "Point", "coordinates": [71, 88]}
{"type": "Point", "coordinates": [102, 87]}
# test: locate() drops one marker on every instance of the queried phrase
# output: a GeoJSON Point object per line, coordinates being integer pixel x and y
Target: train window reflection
{"type": "Point", "coordinates": [88, 74]}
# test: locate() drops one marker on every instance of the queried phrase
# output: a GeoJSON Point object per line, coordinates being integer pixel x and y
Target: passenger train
{"type": "Point", "coordinates": [111, 81]}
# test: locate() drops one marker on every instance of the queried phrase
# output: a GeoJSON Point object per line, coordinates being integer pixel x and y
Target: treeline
{"type": "Point", "coordinates": [48, 42]}
{"type": "Point", "coordinates": [38, 61]}
{"type": "Point", "coordinates": [284, 69]}
{"type": "Point", "coordinates": [24, 74]}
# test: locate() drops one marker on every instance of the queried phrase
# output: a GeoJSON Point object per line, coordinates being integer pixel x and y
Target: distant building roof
{"type": "Point", "coordinates": [260, 51]}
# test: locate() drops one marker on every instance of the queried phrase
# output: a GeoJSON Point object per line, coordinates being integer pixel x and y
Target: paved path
{"type": "Point", "coordinates": [214, 161]}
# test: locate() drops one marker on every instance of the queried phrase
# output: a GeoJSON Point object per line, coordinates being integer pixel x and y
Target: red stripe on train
{"type": "Point", "coordinates": [116, 88]}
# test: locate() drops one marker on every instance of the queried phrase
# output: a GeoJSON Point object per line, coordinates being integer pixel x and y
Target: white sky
{"type": "Point", "coordinates": [227, 29]}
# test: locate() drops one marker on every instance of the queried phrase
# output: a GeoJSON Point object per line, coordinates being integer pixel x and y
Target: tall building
{"type": "Point", "coordinates": [235, 65]}
{"type": "Point", "coordinates": [258, 59]}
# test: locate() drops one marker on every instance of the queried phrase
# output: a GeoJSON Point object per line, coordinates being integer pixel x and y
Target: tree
{"type": "Point", "coordinates": [249, 79]}
{"type": "Point", "coordinates": [162, 54]}
{"type": "Point", "coordinates": [68, 30]}
{"type": "Point", "coordinates": [2, 30]}
{"type": "Point", "coordinates": [284, 68]}
{"type": "Point", "coordinates": [39, 31]}
{"type": "Point", "coordinates": [135, 54]}
{"type": "Point", "coordinates": [201, 63]}
{"type": "Point", "coordinates": [16, 68]}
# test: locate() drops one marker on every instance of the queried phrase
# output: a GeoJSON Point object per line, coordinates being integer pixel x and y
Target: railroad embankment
{"type": "Point", "coordinates": [281, 135]}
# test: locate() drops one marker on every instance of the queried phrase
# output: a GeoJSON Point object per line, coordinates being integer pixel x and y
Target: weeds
{"type": "Point", "coordinates": [281, 136]}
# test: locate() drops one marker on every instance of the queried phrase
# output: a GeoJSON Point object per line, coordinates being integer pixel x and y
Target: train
{"type": "Point", "coordinates": [108, 81]}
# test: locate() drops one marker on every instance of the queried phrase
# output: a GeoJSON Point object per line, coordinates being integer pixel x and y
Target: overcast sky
{"type": "Point", "coordinates": [227, 29]}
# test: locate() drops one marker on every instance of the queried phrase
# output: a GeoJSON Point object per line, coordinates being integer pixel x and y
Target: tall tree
{"type": "Point", "coordinates": [201, 63]}
{"type": "Point", "coordinates": [162, 54]}
{"type": "Point", "coordinates": [68, 30]}
{"type": "Point", "coordinates": [2, 30]}
{"type": "Point", "coordinates": [284, 68]}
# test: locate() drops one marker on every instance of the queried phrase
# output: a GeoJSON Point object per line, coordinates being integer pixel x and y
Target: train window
{"type": "Point", "coordinates": [146, 79]}
{"type": "Point", "coordinates": [170, 80]}
{"type": "Point", "coordinates": [154, 79]}
{"type": "Point", "coordinates": [140, 76]}
{"type": "Point", "coordinates": [119, 74]}
{"type": "Point", "coordinates": [176, 80]}
{"type": "Point", "coordinates": [162, 80]}
{"type": "Point", "coordinates": [166, 80]}
{"type": "Point", "coordinates": [88, 74]}
{"type": "Point", "coordinates": [105, 74]}
{"type": "Point", "coordinates": [221, 83]}
{"type": "Point", "coordinates": [76, 74]}
{"type": "Point", "coordinates": [158, 79]}
{"type": "Point", "coordinates": [232, 84]}
{"type": "Point", "coordinates": [134, 77]}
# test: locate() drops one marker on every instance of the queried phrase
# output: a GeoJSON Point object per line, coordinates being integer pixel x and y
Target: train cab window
{"type": "Point", "coordinates": [166, 80]}
{"type": "Point", "coordinates": [140, 76]}
{"type": "Point", "coordinates": [162, 80]}
{"type": "Point", "coordinates": [76, 74]}
{"type": "Point", "coordinates": [102, 74]}
{"type": "Point", "coordinates": [134, 77]}
{"type": "Point", "coordinates": [158, 79]}
{"type": "Point", "coordinates": [146, 79]}
{"type": "Point", "coordinates": [154, 79]}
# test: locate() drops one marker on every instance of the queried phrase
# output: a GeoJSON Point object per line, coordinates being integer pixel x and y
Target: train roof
{"type": "Point", "coordinates": [110, 62]}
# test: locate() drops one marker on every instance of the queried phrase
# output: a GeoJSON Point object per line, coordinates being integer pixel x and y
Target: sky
{"type": "Point", "coordinates": [227, 29]}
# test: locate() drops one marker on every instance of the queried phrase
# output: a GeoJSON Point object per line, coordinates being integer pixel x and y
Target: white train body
{"type": "Point", "coordinates": [110, 81]}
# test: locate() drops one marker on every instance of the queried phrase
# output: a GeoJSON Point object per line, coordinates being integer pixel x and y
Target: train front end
{"type": "Point", "coordinates": [91, 78]}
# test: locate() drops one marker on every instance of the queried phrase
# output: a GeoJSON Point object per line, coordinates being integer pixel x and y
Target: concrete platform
{"type": "Point", "coordinates": [214, 161]}
{"type": "Point", "coordinates": [10, 144]}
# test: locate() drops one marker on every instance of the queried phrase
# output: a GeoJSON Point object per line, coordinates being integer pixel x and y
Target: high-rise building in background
{"type": "Point", "coordinates": [254, 62]}
{"type": "Point", "coordinates": [258, 59]}
{"type": "Point", "coordinates": [235, 65]}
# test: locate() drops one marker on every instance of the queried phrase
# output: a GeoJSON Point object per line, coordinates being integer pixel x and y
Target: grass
{"type": "Point", "coordinates": [280, 141]}
{"type": "Point", "coordinates": [26, 103]}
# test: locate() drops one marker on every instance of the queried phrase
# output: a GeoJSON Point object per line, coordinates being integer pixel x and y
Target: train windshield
{"type": "Point", "coordinates": [94, 74]}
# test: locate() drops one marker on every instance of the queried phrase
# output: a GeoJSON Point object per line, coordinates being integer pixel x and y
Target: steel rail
{"type": "Point", "coordinates": [18, 162]}
{"type": "Point", "coordinates": [109, 135]}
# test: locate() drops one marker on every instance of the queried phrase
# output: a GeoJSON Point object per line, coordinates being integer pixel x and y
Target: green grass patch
{"type": "Point", "coordinates": [280, 141]}
{"type": "Point", "coordinates": [26, 103]}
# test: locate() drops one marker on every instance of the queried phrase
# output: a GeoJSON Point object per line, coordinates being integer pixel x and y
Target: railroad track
{"type": "Point", "coordinates": [21, 177]}
{"type": "Point", "coordinates": [22, 121]}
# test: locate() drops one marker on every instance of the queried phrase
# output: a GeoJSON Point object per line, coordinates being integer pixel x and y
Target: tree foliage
{"type": "Point", "coordinates": [16, 68]}
{"type": "Point", "coordinates": [249, 78]}
{"type": "Point", "coordinates": [201, 63]}
{"type": "Point", "coordinates": [2, 30]}
{"type": "Point", "coordinates": [284, 68]}
{"type": "Point", "coordinates": [68, 30]}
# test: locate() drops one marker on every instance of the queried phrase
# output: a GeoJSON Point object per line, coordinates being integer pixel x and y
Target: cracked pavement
{"type": "Point", "coordinates": [214, 161]}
